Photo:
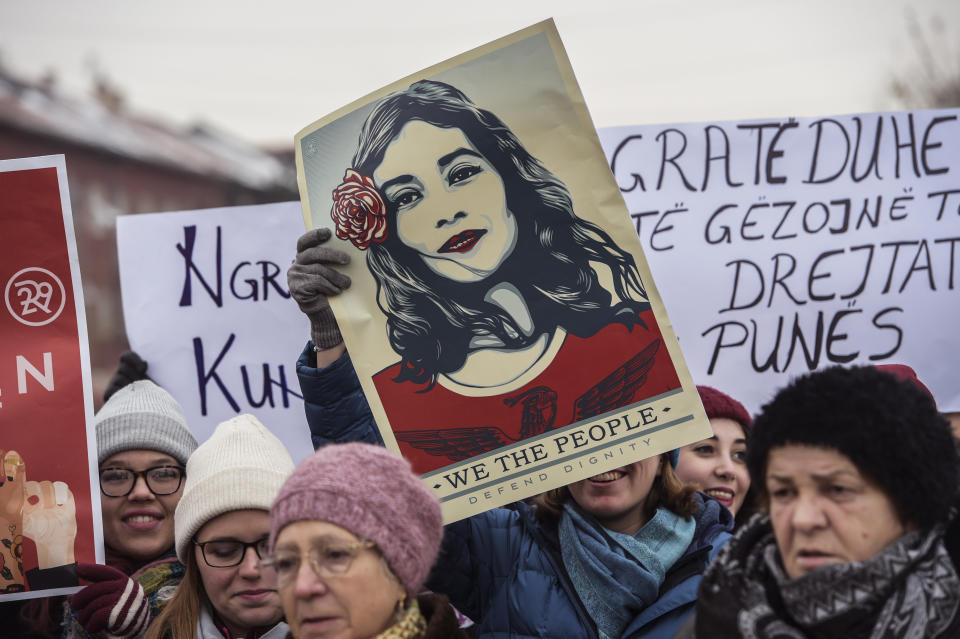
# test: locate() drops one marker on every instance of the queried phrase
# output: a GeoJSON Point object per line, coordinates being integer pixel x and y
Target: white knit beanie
{"type": "Point", "coordinates": [141, 415]}
{"type": "Point", "coordinates": [242, 466]}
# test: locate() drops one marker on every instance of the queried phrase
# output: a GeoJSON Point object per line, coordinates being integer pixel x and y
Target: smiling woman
{"type": "Point", "coordinates": [138, 506]}
{"type": "Point", "coordinates": [143, 443]}
{"type": "Point", "coordinates": [718, 465]}
{"type": "Point", "coordinates": [859, 475]}
{"type": "Point", "coordinates": [617, 555]}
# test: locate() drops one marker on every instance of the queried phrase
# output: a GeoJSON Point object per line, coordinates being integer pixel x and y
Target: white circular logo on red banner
{"type": "Point", "coordinates": [35, 296]}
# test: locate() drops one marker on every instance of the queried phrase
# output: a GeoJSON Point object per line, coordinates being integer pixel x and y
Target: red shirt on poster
{"type": "Point", "coordinates": [587, 377]}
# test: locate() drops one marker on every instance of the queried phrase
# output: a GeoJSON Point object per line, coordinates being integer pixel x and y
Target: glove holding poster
{"type": "Point", "coordinates": [502, 320]}
{"type": "Point", "coordinates": [49, 494]}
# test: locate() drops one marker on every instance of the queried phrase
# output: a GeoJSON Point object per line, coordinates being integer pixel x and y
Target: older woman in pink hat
{"type": "Point", "coordinates": [354, 534]}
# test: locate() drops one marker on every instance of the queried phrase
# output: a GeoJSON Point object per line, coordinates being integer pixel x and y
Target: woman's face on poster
{"type": "Point", "coordinates": [450, 203]}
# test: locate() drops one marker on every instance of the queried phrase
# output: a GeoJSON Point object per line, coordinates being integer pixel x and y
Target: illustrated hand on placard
{"type": "Point", "coordinates": [50, 520]}
{"type": "Point", "coordinates": [43, 511]}
{"type": "Point", "coordinates": [12, 496]}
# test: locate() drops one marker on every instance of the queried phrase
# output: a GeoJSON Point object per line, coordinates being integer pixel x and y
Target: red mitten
{"type": "Point", "coordinates": [113, 602]}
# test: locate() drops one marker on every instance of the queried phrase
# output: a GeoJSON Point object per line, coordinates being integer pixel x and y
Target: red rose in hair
{"type": "Point", "coordinates": [359, 211]}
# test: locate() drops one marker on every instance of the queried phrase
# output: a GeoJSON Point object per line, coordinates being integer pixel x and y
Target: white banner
{"type": "Point", "coordinates": [781, 246]}
{"type": "Point", "coordinates": [206, 304]}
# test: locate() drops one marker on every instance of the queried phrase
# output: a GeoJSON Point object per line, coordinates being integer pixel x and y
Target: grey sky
{"type": "Point", "coordinates": [264, 70]}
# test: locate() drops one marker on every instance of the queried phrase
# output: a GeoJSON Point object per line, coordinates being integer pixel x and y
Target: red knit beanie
{"type": "Point", "coordinates": [372, 493]}
{"type": "Point", "coordinates": [719, 404]}
{"type": "Point", "coordinates": [905, 373]}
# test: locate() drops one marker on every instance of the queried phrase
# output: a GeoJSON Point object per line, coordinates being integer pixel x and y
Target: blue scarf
{"type": "Point", "coordinates": [617, 576]}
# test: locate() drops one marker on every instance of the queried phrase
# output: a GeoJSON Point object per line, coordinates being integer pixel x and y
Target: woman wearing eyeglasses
{"type": "Point", "coordinates": [143, 443]}
{"type": "Point", "coordinates": [354, 534]}
{"type": "Point", "coordinates": [222, 530]}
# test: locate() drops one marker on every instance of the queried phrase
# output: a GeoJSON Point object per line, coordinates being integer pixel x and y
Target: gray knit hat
{"type": "Point", "coordinates": [242, 466]}
{"type": "Point", "coordinates": [142, 415]}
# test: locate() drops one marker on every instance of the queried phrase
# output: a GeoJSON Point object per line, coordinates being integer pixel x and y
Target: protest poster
{"type": "Point", "coordinates": [206, 305]}
{"type": "Point", "coordinates": [49, 488]}
{"type": "Point", "coordinates": [786, 245]}
{"type": "Point", "coordinates": [502, 319]}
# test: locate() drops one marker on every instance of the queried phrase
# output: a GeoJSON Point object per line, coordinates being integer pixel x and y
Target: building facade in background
{"type": "Point", "coordinates": [122, 163]}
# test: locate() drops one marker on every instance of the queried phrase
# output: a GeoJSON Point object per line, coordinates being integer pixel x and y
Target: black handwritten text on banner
{"type": "Point", "coordinates": [780, 246]}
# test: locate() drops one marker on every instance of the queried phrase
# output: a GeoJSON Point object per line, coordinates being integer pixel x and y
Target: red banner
{"type": "Point", "coordinates": [46, 510]}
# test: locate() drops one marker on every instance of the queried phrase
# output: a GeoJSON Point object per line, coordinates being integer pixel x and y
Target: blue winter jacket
{"type": "Point", "coordinates": [503, 568]}
{"type": "Point", "coordinates": [334, 403]}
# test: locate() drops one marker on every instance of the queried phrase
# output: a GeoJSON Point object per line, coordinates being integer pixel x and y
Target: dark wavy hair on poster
{"type": "Point", "coordinates": [430, 319]}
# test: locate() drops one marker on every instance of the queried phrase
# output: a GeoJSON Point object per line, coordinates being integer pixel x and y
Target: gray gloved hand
{"type": "Point", "coordinates": [312, 280]}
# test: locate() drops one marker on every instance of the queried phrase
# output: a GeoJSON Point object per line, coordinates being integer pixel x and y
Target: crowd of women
{"type": "Point", "coordinates": [831, 514]}
{"type": "Point", "coordinates": [852, 473]}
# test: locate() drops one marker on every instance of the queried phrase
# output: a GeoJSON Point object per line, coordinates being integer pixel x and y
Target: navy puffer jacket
{"type": "Point", "coordinates": [503, 568]}
{"type": "Point", "coordinates": [334, 403]}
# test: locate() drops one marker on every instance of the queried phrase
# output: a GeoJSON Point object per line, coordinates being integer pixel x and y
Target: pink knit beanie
{"type": "Point", "coordinates": [372, 493]}
{"type": "Point", "coordinates": [719, 404]}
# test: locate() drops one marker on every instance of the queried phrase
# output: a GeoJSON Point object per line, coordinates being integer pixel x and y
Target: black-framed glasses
{"type": "Point", "coordinates": [224, 553]}
{"type": "Point", "coordinates": [327, 561]}
{"type": "Point", "coordinates": [160, 480]}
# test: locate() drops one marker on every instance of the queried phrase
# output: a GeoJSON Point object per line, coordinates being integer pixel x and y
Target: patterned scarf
{"type": "Point", "coordinates": [410, 626]}
{"type": "Point", "coordinates": [160, 579]}
{"type": "Point", "coordinates": [617, 576]}
{"type": "Point", "coordinates": [909, 591]}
